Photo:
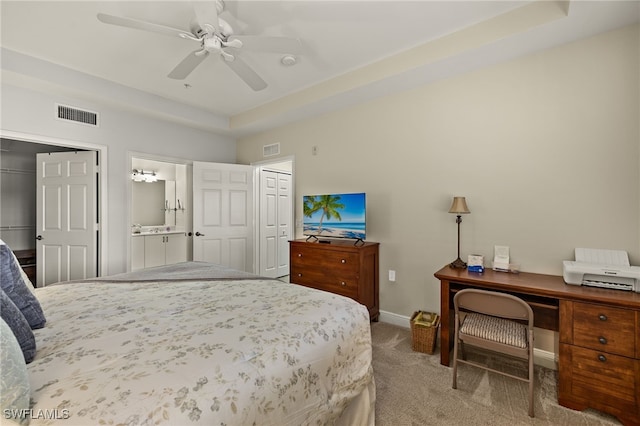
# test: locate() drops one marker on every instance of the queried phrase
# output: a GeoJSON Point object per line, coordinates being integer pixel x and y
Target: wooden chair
{"type": "Point", "coordinates": [495, 321]}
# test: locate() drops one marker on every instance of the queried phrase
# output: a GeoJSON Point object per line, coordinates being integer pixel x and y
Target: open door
{"type": "Point", "coordinates": [67, 216]}
{"type": "Point", "coordinates": [223, 214]}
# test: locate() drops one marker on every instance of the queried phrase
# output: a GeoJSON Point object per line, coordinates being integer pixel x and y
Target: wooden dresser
{"type": "Point", "coordinates": [599, 333]}
{"type": "Point", "coordinates": [339, 267]}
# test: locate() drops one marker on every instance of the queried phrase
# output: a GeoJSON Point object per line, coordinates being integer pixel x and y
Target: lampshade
{"type": "Point", "coordinates": [459, 206]}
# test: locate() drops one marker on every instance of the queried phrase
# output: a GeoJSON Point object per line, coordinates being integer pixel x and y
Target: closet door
{"type": "Point", "coordinates": [275, 223]}
{"type": "Point", "coordinates": [67, 216]}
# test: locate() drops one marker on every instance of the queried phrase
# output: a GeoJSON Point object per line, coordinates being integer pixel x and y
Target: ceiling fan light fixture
{"type": "Point", "coordinates": [235, 43]}
{"type": "Point", "coordinates": [212, 43]}
{"type": "Point", "coordinates": [288, 60]}
{"type": "Point", "coordinates": [214, 35]}
{"type": "Point", "coordinates": [227, 56]}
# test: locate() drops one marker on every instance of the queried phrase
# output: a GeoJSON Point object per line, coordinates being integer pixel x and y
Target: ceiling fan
{"type": "Point", "coordinates": [214, 35]}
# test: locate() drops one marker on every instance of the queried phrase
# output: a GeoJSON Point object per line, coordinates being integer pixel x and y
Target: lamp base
{"type": "Point", "coordinates": [458, 263]}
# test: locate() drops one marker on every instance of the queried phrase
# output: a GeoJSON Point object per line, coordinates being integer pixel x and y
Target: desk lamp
{"type": "Point", "coordinates": [459, 207]}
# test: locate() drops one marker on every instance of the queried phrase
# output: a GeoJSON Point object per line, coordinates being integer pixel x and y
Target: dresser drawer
{"type": "Point", "coordinates": [325, 280]}
{"type": "Point", "coordinates": [335, 261]}
{"type": "Point", "coordinates": [599, 377]}
{"type": "Point", "coordinates": [604, 328]}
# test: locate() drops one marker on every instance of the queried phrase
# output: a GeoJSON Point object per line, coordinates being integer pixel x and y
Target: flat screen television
{"type": "Point", "coordinates": [335, 216]}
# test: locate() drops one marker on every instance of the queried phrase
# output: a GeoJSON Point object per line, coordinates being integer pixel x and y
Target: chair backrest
{"type": "Point", "coordinates": [493, 303]}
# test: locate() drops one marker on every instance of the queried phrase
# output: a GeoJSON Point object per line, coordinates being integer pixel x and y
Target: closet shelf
{"type": "Point", "coordinates": [17, 171]}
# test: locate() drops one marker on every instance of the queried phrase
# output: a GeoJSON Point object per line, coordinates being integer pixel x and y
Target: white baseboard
{"type": "Point", "coordinates": [545, 359]}
{"type": "Point", "coordinates": [540, 357]}
{"type": "Point", "coordinates": [394, 319]}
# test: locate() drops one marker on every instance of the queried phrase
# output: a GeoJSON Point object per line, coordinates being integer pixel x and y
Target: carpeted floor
{"type": "Point", "coordinates": [414, 389]}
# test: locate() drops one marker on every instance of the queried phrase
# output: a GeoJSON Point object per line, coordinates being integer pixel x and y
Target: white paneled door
{"type": "Point", "coordinates": [223, 214]}
{"type": "Point", "coordinates": [67, 216]}
{"type": "Point", "coordinates": [275, 223]}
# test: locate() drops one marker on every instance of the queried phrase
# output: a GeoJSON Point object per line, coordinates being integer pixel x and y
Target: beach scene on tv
{"type": "Point", "coordinates": [335, 215]}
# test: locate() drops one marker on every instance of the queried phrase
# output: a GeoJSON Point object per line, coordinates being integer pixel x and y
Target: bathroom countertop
{"type": "Point", "coordinates": [158, 231]}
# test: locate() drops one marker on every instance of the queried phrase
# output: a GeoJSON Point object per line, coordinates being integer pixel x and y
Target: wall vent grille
{"type": "Point", "coordinates": [270, 150]}
{"type": "Point", "coordinates": [77, 115]}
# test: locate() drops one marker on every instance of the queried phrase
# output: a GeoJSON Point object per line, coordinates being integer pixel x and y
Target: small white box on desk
{"type": "Point", "coordinates": [501, 259]}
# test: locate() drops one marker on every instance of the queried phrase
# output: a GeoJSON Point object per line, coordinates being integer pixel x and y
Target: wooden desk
{"type": "Point", "coordinates": [593, 371]}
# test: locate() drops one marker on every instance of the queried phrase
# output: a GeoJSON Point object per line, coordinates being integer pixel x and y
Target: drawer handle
{"type": "Point", "coordinates": [602, 358]}
{"type": "Point", "coordinates": [343, 261]}
{"type": "Point", "coordinates": [299, 254]}
{"type": "Point", "coordinates": [342, 283]}
{"type": "Point", "coordinates": [602, 317]}
{"type": "Point", "coordinates": [602, 340]}
{"type": "Point", "coordinates": [299, 275]}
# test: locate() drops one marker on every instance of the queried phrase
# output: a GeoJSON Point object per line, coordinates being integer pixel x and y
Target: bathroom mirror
{"type": "Point", "coordinates": [149, 203]}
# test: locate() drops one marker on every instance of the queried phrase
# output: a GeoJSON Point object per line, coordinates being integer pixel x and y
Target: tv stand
{"type": "Point", "coordinates": [339, 267]}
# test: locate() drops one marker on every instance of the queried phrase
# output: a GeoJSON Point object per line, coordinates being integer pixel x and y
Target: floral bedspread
{"type": "Point", "coordinates": [233, 352]}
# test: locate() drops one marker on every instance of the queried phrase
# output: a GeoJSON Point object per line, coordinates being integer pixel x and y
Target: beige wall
{"type": "Point", "coordinates": [546, 148]}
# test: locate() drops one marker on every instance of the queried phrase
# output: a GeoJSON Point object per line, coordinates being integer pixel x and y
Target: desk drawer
{"type": "Point", "coordinates": [604, 328]}
{"type": "Point", "coordinates": [600, 377]}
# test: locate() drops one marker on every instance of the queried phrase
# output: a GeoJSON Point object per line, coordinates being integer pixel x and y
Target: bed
{"type": "Point", "coordinates": [198, 344]}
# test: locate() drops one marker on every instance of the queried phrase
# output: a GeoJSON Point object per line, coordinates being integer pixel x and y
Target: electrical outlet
{"type": "Point", "coordinates": [392, 275]}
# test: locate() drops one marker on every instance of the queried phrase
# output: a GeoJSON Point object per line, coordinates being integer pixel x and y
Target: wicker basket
{"type": "Point", "coordinates": [423, 337]}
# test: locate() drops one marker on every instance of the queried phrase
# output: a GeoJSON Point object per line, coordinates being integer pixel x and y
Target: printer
{"type": "Point", "coordinates": [602, 268]}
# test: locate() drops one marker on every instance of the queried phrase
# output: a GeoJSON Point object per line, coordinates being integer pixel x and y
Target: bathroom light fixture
{"type": "Point", "coordinates": [142, 176]}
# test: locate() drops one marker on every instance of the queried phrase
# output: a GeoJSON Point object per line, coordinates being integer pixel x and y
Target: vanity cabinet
{"type": "Point", "coordinates": [159, 249]}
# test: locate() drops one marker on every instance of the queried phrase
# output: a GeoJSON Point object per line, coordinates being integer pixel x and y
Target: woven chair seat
{"type": "Point", "coordinates": [495, 329]}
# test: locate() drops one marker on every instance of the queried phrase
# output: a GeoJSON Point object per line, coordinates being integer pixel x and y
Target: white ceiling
{"type": "Point", "coordinates": [353, 51]}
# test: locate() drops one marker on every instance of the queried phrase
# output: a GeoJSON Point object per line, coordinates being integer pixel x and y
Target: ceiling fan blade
{"type": "Point", "coordinates": [188, 64]}
{"type": "Point", "coordinates": [246, 73]}
{"type": "Point", "coordinates": [140, 25]}
{"type": "Point", "coordinates": [207, 14]}
{"type": "Point", "coordinates": [269, 44]}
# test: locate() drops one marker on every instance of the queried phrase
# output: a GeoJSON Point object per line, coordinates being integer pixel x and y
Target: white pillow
{"type": "Point", "coordinates": [14, 386]}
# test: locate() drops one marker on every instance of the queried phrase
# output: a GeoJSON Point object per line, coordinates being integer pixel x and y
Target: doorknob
{"type": "Point", "coordinates": [39, 237]}
{"type": "Point", "coordinates": [198, 234]}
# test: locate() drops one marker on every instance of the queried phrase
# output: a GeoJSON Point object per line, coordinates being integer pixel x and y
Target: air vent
{"type": "Point", "coordinates": [270, 150]}
{"type": "Point", "coordinates": [77, 115]}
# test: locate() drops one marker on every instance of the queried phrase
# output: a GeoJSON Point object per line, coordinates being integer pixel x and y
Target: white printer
{"type": "Point", "coordinates": [602, 268]}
